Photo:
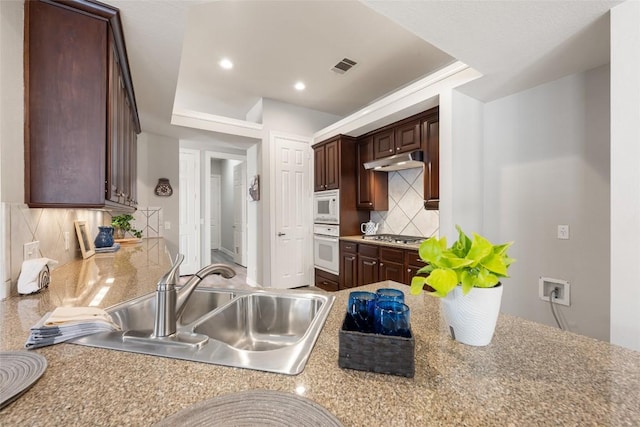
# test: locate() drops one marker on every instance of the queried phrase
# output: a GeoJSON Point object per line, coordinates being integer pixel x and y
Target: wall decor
{"type": "Point", "coordinates": [163, 188]}
{"type": "Point", "coordinates": [86, 243]}
{"type": "Point", "coordinates": [254, 188]}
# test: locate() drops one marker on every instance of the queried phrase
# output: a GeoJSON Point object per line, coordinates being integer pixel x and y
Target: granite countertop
{"type": "Point", "coordinates": [530, 374]}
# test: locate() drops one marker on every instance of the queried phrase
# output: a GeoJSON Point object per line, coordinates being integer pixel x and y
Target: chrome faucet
{"type": "Point", "coordinates": [170, 303]}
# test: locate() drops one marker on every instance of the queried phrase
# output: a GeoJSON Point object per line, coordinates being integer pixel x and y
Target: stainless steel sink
{"type": "Point", "coordinates": [267, 330]}
{"type": "Point", "coordinates": [261, 322]}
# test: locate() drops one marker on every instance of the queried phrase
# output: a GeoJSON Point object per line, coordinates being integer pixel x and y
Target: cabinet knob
{"type": "Point", "coordinates": [390, 150]}
{"type": "Point", "coordinates": [373, 263]}
{"type": "Point", "coordinates": [381, 264]}
{"type": "Point", "coordinates": [353, 258]}
{"type": "Point", "coordinates": [370, 203]}
{"type": "Point", "coordinates": [408, 270]}
{"type": "Point", "coordinates": [397, 148]}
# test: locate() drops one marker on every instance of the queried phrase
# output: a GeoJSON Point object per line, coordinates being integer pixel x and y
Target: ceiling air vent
{"type": "Point", "coordinates": [343, 66]}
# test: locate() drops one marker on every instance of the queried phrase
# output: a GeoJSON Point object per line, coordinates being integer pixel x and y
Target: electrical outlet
{"type": "Point", "coordinates": [67, 239]}
{"type": "Point", "coordinates": [563, 232]}
{"type": "Point", "coordinates": [31, 250]}
{"type": "Point", "coordinates": [167, 225]}
{"type": "Point", "coordinates": [546, 285]}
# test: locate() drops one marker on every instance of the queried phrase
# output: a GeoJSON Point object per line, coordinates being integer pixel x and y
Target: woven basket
{"type": "Point", "coordinates": [376, 353]}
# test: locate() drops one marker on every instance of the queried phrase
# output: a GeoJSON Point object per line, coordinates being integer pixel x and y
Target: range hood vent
{"type": "Point", "coordinates": [397, 162]}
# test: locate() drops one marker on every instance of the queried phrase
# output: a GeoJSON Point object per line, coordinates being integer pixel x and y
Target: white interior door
{"type": "Point", "coordinates": [189, 210]}
{"type": "Point", "coordinates": [291, 256]}
{"type": "Point", "coordinates": [214, 219]}
{"type": "Point", "coordinates": [240, 214]}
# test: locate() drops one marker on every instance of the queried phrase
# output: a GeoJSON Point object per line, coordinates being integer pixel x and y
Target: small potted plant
{"type": "Point", "coordinates": [467, 278]}
{"type": "Point", "coordinates": [122, 225]}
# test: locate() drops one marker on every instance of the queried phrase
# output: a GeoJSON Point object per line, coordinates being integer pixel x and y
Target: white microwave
{"type": "Point", "coordinates": [326, 207]}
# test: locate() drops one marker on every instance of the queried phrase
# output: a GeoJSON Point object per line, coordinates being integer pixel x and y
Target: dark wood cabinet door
{"type": "Point", "coordinates": [373, 187]}
{"type": "Point", "coordinates": [407, 137]}
{"type": "Point", "coordinates": [348, 270]}
{"type": "Point", "coordinates": [383, 144]}
{"type": "Point", "coordinates": [431, 143]}
{"type": "Point", "coordinates": [367, 270]}
{"type": "Point", "coordinates": [319, 168]}
{"type": "Point", "coordinates": [391, 264]}
{"type": "Point", "coordinates": [80, 118]}
{"type": "Point", "coordinates": [66, 102]}
{"type": "Point", "coordinates": [391, 271]}
{"type": "Point", "coordinates": [332, 166]}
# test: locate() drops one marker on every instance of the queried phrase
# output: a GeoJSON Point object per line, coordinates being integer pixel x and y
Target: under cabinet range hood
{"type": "Point", "coordinates": [397, 162]}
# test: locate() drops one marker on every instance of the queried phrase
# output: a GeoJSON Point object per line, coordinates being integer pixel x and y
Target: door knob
{"type": "Point", "coordinates": [281, 234]}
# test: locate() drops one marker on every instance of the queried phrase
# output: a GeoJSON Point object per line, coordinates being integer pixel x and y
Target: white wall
{"type": "Point", "coordinates": [546, 162]}
{"type": "Point", "coordinates": [467, 150]}
{"type": "Point", "coordinates": [11, 101]}
{"type": "Point", "coordinates": [625, 174]}
{"type": "Point", "coordinates": [158, 158]}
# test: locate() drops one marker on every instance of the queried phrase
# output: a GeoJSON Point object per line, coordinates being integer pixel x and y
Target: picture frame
{"type": "Point", "coordinates": [86, 243]}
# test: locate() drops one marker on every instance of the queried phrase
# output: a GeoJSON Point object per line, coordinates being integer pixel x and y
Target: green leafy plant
{"type": "Point", "coordinates": [469, 262]}
{"type": "Point", "coordinates": [123, 222]}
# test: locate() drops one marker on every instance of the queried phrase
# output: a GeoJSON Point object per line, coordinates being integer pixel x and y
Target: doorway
{"type": "Point", "coordinates": [230, 221]}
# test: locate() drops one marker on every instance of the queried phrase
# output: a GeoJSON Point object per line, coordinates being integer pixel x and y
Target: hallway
{"type": "Point", "coordinates": [216, 281]}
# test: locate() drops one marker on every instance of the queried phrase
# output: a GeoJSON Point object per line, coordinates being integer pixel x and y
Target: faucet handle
{"type": "Point", "coordinates": [170, 278]}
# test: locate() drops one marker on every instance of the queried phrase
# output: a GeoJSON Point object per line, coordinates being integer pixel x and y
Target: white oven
{"type": "Point", "coordinates": [326, 249]}
{"type": "Point", "coordinates": [326, 207]}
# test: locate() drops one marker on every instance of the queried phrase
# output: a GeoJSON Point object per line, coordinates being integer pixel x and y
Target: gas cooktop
{"type": "Point", "coordinates": [394, 238]}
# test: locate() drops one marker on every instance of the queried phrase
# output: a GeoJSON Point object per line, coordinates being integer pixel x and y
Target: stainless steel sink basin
{"type": "Point", "coordinates": [261, 322]}
{"type": "Point", "coordinates": [267, 330]}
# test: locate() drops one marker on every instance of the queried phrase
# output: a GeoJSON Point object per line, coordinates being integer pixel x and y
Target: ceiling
{"type": "Point", "coordinates": [174, 47]}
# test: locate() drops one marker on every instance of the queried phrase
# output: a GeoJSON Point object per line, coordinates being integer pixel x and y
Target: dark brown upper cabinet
{"type": "Point", "coordinates": [373, 187]}
{"type": "Point", "coordinates": [400, 137]}
{"type": "Point", "coordinates": [81, 119]}
{"type": "Point", "coordinates": [327, 165]}
{"type": "Point", "coordinates": [431, 143]}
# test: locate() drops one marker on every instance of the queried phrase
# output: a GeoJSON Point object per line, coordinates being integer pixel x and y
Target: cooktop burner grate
{"type": "Point", "coordinates": [394, 238]}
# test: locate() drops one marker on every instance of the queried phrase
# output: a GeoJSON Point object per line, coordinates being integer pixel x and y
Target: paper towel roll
{"type": "Point", "coordinates": [34, 275]}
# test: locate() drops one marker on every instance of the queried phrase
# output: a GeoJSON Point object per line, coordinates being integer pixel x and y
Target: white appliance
{"type": "Point", "coordinates": [326, 249]}
{"type": "Point", "coordinates": [326, 207]}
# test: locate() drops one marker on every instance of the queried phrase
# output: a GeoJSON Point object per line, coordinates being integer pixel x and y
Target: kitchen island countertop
{"type": "Point", "coordinates": [530, 374]}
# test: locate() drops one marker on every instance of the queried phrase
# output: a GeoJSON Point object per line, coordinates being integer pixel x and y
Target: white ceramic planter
{"type": "Point", "coordinates": [472, 318]}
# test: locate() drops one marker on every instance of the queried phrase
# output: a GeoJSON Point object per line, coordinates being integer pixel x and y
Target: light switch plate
{"type": "Point", "coordinates": [32, 250]}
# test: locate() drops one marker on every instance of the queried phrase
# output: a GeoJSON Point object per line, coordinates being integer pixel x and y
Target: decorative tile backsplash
{"type": "Point", "coordinates": [406, 214]}
{"type": "Point", "coordinates": [48, 226]}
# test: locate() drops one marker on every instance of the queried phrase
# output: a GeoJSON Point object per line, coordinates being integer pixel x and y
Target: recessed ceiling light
{"type": "Point", "coordinates": [299, 86]}
{"type": "Point", "coordinates": [226, 63]}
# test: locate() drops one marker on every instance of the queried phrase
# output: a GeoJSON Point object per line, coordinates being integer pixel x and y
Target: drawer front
{"type": "Point", "coordinates": [392, 255]}
{"type": "Point", "coordinates": [368, 250]}
{"type": "Point", "coordinates": [327, 281]}
{"type": "Point", "coordinates": [411, 257]}
{"type": "Point", "coordinates": [348, 247]}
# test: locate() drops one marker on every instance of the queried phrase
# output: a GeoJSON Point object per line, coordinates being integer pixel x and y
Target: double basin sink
{"type": "Point", "coordinates": [266, 330]}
